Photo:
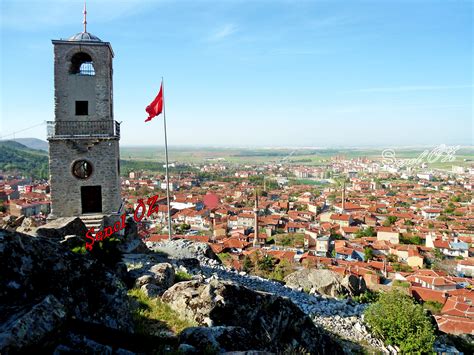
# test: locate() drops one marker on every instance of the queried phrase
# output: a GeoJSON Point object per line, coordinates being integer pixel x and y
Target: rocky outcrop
{"type": "Point", "coordinates": [130, 241]}
{"type": "Point", "coordinates": [342, 317]}
{"type": "Point", "coordinates": [33, 326]}
{"type": "Point", "coordinates": [218, 339]}
{"type": "Point", "coordinates": [43, 282]}
{"type": "Point", "coordinates": [61, 227]}
{"type": "Point", "coordinates": [354, 285]}
{"type": "Point", "coordinates": [156, 280]}
{"type": "Point", "coordinates": [11, 223]}
{"type": "Point", "coordinates": [326, 282]}
{"type": "Point", "coordinates": [274, 322]}
{"type": "Point", "coordinates": [28, 226]}
{"type": "Point", "coordinates": [163, 275]}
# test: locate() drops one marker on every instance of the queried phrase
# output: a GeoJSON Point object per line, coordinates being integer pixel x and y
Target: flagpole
{"type": "Point", "coordinates": [166, 164]}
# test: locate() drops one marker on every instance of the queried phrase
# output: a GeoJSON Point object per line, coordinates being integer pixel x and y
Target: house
{"type": "Point", "coordinates": [349, 254]}
{"type": "Point", "coordinates": [323, 246]}
{"type": "Point", "coordinates": [457, 316]}
{"type": "Point", "coordinates": [455, 325]}
{"type": "Point", "coordinates": [344, 220]}
{"type": "Point", "coordinates": [29, 208]}
{"type": "Point", "coordinates": [348, 207]}
{"type": "Point", "coordinates": [235, 245]}
{"type": "Point", "coordinates": [465, 268]}
{"type": "Point", "coordinates": [296, 227]}
{"type": "Point", "coordinates": [349, 232]}
{"type": "Point", "coordinates": [431, 213]}
{"type": "Point", "coordinates": [245, 220]}
{"type": "Point", "coordinates": [432, 280]}
{"type": "Point", "coordinates": [388, 234]}
{"type": "Point", "coordinates": [414, 258]}
{"type": "Point", "coordinates": [425, 294]}
{"type": "Point", "coordinates": [452, 248]}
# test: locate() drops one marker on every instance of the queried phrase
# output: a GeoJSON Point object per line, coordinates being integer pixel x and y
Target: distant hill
{"type": "Point", "coordinates": [18, 158]}
{"type": "Point", "coordinates": [33, 143]}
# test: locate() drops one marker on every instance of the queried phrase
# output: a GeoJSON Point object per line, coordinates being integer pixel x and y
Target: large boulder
{"type": "Point", "coordinates": [32, 326]}
{"type": "Point", "coordinates": [28, 226]}
{"type": "Point", "coordinates": [61, 227]}
{"type": "Point", "coordinates": [184, 249]}
{"type": "Point", "coordinates": [218, 339]}
{"type": "Point", "coordinates": [35, 268]}
{"type": "Point", "coordinates": [274, 323]}
{"type": "Point", "coordinates": [163, 275]}
{"type": "Point", "coordinates": [157, 279]}
{"type": "Point", "coordinates": [354, 285]}
{"type": "Point", "coordinates": [326, 282]}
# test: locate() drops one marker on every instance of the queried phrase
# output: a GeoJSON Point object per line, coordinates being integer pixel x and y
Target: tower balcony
{"type": "Point", "coordinates": [82, 129]}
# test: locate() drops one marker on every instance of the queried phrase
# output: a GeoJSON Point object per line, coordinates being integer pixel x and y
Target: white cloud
{"type": "Point", "coordinates": [223, 32]}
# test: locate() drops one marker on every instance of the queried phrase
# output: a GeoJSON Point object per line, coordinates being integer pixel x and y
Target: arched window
{"type": "Point", "coordinates": [82, 64]}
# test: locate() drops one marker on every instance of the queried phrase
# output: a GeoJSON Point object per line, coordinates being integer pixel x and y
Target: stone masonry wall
{"type": "Point", "coordinates": [66, 188]}
{"type": "Point", "coordinates": [69, 88]}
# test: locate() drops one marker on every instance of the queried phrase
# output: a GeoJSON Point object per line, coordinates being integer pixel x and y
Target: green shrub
{"type": "Point", "coordinates": [182, 276]}
{"type": "Point", "coordinates": [224, 257]}
{"type": "Point", "coordinates": [282, 269]}
{"type": "Point", "coordinates": [266, 263]}
{"type": "Point", "coordinates": [433, 306]}
{"type": "Point", "coordinates": [399, 321]}
{"type": "Point", "coordinates": [107, 251]}
{"type": "Point", "coordinates": [367, 297]}
{"type": "Point", "coordinates": [79, 250]}
{"type": "Point", "coordinates": [400, 283]}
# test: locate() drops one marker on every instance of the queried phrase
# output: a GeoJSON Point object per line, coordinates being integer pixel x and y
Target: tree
{"type": "Point", "coordinates": [282, 269]}
{"type": "Point", "coordinates": [399, 321]}
{"type": "Point", "coordinates": [247, 264]}
{"type": "Point", "coordinates": [368, 254]}
{"type": "Point", "coordinates": [266, 263]}
{"type": "Point", "coordinates": [366, 232]}
{"type": "Point", "coordinates": [389, 221]}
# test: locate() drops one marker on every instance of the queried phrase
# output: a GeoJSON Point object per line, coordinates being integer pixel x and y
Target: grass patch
{"type": "Point", "coordinates": [399, 283]}
{"type": "Point", "coordinates": [153, 317]}
{"type": "Point", "coordinates": [182, 276]}
{"type": "Point", "coordinates": [433, 306]}
{"type": "Point", "coordinates": [79, 250]}
{"type": "Point", "coordinates": [224, 257]}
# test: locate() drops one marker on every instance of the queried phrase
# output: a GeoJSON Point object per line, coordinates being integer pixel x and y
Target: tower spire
{"type": "Point", "coordinates": [85, 17]}
{"type": "Point", "coordinates": [255, 234]}
{"type": "Point", "coordinates": [343, 197]}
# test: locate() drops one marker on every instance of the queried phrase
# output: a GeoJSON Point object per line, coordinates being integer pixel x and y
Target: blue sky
{"type": "Point", "coordinates": [258, 73]}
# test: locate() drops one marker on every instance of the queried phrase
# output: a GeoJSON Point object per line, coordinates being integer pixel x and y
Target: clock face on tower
{"type": "Point", "coordinates": [82, 169]}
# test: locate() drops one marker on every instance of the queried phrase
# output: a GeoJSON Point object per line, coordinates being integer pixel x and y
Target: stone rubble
{"type": "Point", "coordinates": [342, 317]}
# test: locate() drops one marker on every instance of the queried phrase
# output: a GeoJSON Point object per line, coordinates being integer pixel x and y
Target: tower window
{"type": "Point", "coordinates": [82, 64]}
{"type": "Point", "coordinates": [82, 108]}
{"type": "Point", "coordinates": [82, 169]}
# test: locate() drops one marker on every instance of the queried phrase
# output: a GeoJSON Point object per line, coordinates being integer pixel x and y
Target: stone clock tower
{"type": "Point", "coordinates": [84, 139]}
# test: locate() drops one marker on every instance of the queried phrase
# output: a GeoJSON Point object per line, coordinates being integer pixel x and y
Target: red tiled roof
{"type": "Point", "coordinates": [458, 306]}
{"type": "Point", "coordinates": [455, 325]}
{"type": "Point", "coordinates": [426, 294]}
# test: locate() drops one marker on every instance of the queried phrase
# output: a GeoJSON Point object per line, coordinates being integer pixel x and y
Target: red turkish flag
{"type": "Point", "coordinates": [156, 107]}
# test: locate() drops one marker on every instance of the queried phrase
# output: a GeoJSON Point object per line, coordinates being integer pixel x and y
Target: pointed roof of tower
{"type": "Point", "coordinates": [84, 35]}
